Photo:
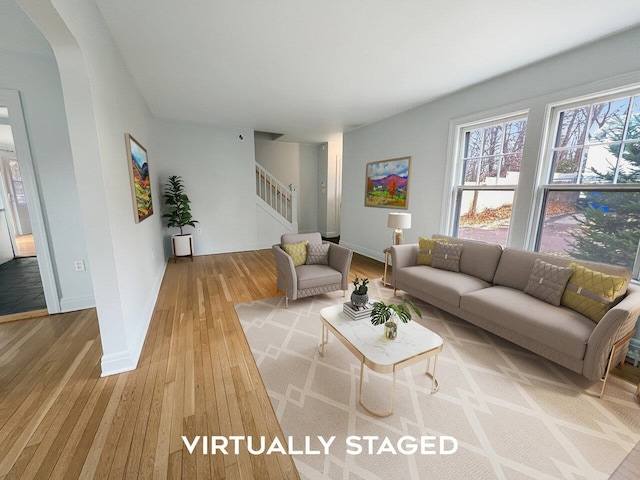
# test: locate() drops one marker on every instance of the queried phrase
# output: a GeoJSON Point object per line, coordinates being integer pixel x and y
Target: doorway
{"type": "Point", "coordinates": [15, 198]}
{"type": "Point", "coordinates": [21, 285]}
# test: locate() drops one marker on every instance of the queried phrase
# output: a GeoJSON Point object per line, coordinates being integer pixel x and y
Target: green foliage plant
{"type": "Point", "coordinates": [382, 312]}
{"type": "Point", "coordinates": [611, 235]}
{"type": "Point", "coordinates": [360, 288]}
{"type": "Point", "coordinates": [178, 203]}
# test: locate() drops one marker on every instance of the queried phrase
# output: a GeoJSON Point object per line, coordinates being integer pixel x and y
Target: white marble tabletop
{"type": "Point", "coordinates": [413, 339]}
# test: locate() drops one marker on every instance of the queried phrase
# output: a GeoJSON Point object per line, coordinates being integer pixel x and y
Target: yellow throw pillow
{"type": "Point", "coordinates": [297, 252]}
{"type": "Point", "coordinates": [426, 247]}
{"type": "Point", "coordinates": [592, 293]}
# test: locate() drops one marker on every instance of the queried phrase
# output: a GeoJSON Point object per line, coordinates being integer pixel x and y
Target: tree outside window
{"type": "Point", "coordinates": [490, 160]}
{"type": "Point", "coordinates": [592, 203]}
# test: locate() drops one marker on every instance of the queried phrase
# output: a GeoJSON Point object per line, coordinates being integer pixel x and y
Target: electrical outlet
{"type": "Point", "coordinates": [199, 231]}
{"type": "Point", "coordinates": [79, 265]}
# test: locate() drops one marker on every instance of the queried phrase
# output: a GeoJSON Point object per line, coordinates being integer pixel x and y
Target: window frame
{"type": "Point", "coordinates": [543, 176]}
{"type": "Point", "coordinates": [456, 168]}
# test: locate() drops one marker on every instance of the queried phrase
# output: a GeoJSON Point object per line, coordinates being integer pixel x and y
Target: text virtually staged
{"type": "Point", "coordinates": [320, 445]}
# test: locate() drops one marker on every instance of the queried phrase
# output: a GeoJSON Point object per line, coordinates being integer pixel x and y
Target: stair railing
{"type": "Point", "coordinates": [280, 197]}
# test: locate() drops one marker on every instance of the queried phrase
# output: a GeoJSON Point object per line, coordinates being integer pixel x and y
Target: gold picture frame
{"type": "Point", "coordinates": [387, 183]}
{"type": "Point", "coordinates": [139, 178]}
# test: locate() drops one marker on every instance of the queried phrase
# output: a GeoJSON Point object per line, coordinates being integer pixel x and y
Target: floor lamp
{"type": "Point", "coordinates": [397, 221]}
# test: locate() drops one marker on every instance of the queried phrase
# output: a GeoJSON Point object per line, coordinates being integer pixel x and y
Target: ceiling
{"type": "Point", "coordinates": [313, 69]}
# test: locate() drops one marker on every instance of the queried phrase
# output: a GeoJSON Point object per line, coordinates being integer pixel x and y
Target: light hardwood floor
{"type": "Point", "coordinates": [26, 246]}
{"type": "Point", "coordinates": [196, 376]}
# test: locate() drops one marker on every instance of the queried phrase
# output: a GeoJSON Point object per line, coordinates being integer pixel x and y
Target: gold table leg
{"type": "Point", "coordinates": [324, 340]}
{"type": "Point", "coordinates": [387, 252]}
{"type": "Point", "coordinates": [393, 395]}
{"type": "Point", "coordinates": [434, 381]}
{"type": "Point", "coordinates": [434, 387]}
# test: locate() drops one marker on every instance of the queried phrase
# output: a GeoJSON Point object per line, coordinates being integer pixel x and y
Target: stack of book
{"type": "Point", "coordinates": [357, 313]}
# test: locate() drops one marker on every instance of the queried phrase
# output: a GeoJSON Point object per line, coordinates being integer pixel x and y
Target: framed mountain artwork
{"type": "Point", "coordinates": [140, 181]}
{"type": "Point", "coordinates": [387, 183]}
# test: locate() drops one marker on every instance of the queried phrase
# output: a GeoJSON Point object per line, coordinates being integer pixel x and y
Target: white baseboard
{"type": "Point", "coordinates": [128, 360]}
{"type": "Point", "coordinates": [71, 304]}
{"type": "Point", "coordinates": [117, 363]}
{"type": "Point", "coordinates": [364, 251]}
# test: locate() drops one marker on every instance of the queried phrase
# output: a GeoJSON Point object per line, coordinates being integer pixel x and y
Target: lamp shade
{"type": "Point", "coordinates": [399, 220]}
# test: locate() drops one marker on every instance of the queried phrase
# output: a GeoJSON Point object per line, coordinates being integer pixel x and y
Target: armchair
{"type": "Point", "coordinates": [311, 279]}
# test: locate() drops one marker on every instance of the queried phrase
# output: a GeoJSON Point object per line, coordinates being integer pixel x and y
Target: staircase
{"type": "Point", "coordinates": [277, 207]}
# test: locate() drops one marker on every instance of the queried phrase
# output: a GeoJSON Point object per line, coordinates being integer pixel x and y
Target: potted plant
{"type": "Point", "coordinates": [387, 314]}
{"type": "Point", "coordinates": [359, 297]}
{"type": "Point", "coordinates": [179, 216]}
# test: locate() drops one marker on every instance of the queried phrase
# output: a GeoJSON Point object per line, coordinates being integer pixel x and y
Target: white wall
{"type": "Point", "coordinates": [218, 170]}
{"type": "Point", "coordinates": [28, 65]}
{"type": "Point", "coordinates": [102, 103]}
{"type": "Point", "coordinates": [423, 133]}
{"type": "Point", "coordinates": [297, 164]}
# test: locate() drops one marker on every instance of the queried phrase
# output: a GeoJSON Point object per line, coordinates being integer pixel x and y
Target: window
{"type": "Point", "coordinates": [18, 187]}
{"type": "Point", "coordinates": [489, 159]}
{"type": "Point", "coordinates": [591, 199]}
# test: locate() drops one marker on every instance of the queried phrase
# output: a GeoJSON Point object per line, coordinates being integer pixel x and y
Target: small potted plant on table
{"type": "Point", "coordinates": [387, 315]}
{"type": "Point", "coordinates": [359, 297]}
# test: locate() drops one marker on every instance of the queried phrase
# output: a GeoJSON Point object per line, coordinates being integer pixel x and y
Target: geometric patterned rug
{"type": "Point", "coordinates": [513, 414]}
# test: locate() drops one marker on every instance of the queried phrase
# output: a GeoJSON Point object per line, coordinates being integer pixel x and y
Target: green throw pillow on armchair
{"type": "Point", "coordinates": [297, 252]}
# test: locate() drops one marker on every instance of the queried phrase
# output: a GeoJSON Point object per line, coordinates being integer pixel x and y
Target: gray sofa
{"type": "Point", "coordinates": [489, 292]}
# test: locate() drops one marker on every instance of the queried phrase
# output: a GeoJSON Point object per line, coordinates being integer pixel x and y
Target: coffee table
{"type": "Point", "coordinates": [367, 342]}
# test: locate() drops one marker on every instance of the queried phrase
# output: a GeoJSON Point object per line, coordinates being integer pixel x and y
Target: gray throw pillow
{"type": "Point", "coordinates": [547, 282]}
{"type": "Point", "coordinates": [318, 254]}
{"type": "Point", "coordinates": [446, 256]}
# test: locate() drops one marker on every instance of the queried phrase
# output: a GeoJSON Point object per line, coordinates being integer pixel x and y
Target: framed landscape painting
{"type": "Point", "coordinates": [139, 175]}
{"type": "Point", "coordinates": [387, 183]}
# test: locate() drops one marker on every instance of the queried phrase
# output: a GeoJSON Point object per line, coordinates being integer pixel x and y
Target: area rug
{"type": "Point", "coordinates": [508, 413]}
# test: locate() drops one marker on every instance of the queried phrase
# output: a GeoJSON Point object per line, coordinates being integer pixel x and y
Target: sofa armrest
{"type": "Point", "coordinates": [617, 323]}
{"type": "Point", "coordinates": [340, 260]}
{"type": "Point", "coordinates": [287, 278]}
{"type": "Point", "coordinates": [402, 256]}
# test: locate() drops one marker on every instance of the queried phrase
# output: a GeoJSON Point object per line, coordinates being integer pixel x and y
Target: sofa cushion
{"type": "Point", "coordinates": [318, 254]}
{"type": "Point", "coordinates": [547, 282]}
{"type": "Point", "coordinates": [447, 256]}
{"type": "Point", "coordinates": [312, 276]}
{"type": "Point", "coordinates": [516, 265]}
{"type": "Point", "coordinates": [478, 259]}
{"type": "Point", "coordinates": [592, 293]}
{"type": "Point", "coordinates": [297, 252]}
{"type": "Point", "coordinates": [559, 328]}
{"type": "Point", "coordinates": [426, 247]}
{"type": "Point", "coordinates": [447, 286]}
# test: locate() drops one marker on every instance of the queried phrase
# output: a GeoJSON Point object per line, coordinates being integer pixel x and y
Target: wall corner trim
{"type": "Point", "coordinates": [71, 304]}
{"type": "Point", "coordinates": [117, 363]}
{"type": "Point", "coordinates": [127, 360]}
